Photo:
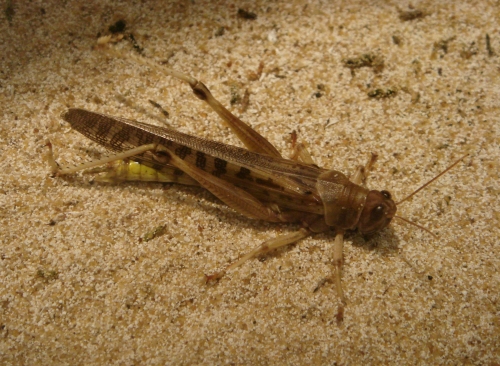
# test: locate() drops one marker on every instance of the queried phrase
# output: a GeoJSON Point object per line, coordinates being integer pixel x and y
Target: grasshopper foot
{"type": "Point", "coordinates": [214, 277]}
{"type": "Point", "coordinates": [49, 156]}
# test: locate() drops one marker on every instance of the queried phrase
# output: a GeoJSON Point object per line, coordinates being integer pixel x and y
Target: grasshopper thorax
{"type": "Point", "coordinates": [378, 211]}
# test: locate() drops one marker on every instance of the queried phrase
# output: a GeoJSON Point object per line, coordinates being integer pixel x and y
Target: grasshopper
{"type": "Point", "coordinates": [258, 182]}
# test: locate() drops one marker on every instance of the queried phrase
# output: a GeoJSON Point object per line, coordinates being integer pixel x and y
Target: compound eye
{"type": "Point", "coordinates": [377, 213]}
{"type": "Point", "coordinates": [386, 194]}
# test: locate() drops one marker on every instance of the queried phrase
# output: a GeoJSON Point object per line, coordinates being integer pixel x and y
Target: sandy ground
{"type": "Point", "coordinates": [80, 285]}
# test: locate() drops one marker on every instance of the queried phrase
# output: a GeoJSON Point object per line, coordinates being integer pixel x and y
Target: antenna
{"type": "Point", "coordinates": [422, 187]}
{"type": "Point", "coordinates": [417, 225]}
{"type": "Point", "coordinates": [432, 180]}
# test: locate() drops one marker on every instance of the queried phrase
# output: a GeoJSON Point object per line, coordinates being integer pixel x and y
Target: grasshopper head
{"type": "Point", "coordinates": [378, 211]}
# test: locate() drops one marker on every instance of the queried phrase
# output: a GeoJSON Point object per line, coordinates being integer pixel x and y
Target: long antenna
{"type": "Point", "coordinates": [415, 224]}
{"type": "Point", "coordinates": [433, 179]}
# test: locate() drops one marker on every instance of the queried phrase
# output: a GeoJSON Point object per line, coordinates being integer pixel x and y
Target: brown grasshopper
{"type": "Point", "coordinates": [257, 182]}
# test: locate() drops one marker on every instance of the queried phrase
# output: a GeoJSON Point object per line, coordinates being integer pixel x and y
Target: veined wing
{"type": "Point", "coordinates": [120, 134]}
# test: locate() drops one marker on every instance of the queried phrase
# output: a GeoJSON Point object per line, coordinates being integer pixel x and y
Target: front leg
{"type": "Point", "coordinates": [338, 247]}
{"type": "Point", "coordinates": [361, 173]}
{"type": "Point", "coordinates": [338, 262]}
{"type": "Point", "coordinates": [265, 247]}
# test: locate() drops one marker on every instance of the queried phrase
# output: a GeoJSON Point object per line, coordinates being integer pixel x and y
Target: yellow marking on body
{"type": "Point", "coordinates": [121, 170]}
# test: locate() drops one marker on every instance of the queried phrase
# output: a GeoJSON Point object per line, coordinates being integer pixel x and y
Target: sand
{"type": "Point", "coordinates": [417, 83]}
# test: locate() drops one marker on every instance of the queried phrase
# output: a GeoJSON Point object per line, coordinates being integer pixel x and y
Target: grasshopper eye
{"type": "Point", "coordinates": [386, 194]}
{"type": "Point", "coordinates": [377, 213]}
